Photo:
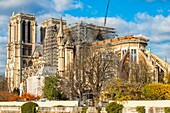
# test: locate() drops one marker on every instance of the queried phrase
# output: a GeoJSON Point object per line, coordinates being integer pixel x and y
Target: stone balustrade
{"type": "Point", "coordinates": [155, 106]}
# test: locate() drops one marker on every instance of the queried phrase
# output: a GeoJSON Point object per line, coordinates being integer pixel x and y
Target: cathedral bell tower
{"type": "Point", "coordinates": [22, 31]}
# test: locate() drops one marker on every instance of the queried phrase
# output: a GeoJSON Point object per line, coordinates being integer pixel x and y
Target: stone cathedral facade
{"type": "Point", "coordinates": [22, 39]}
{"type": "Point", "coordinates": [61, 44]}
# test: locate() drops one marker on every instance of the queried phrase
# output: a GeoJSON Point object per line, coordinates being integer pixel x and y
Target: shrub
{"type": "Point", "coordinates": [156, 91]}
{"type": "Point", "coordinates": [28, 97]}
{"type": "Point", "coordinates": [113, 107]}
{"type": "Point", "coordinates": [167, 109]}
{"type": "Point", "coordinates": [98, 109]}
{"type": "Point", "coordinates": [84, 109]}
{"type": "Point", "coordinates": [140, 109]}
{"type": "Point", "coordinates": [16, 91]}
{"type": "Point", "coordinates": [29, 107]}
{"type": "Point", "coordinates": [6, 96]}
{"type": "Point", "coordinates": [119, 90]}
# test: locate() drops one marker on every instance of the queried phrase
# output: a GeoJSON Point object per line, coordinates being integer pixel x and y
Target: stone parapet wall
{"type": "Point", "coordinates": [155, 106]}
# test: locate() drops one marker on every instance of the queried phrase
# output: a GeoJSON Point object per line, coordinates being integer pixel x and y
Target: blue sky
{"type": "Point", "coordinates": [150, 18]}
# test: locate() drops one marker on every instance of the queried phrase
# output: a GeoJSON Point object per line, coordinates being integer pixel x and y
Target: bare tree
{"type": "Point", "coordinates": [139, 72]}
{"type": "Point", "coordinates": [91, 68]}
{"type": "Point", "coordinates": [74, 82]}
{"type": "Point", "coordinates": [3, 83]}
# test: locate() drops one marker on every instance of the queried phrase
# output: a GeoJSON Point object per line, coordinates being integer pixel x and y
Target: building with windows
{"type": "Point", "coordinates": [132, 49]}
{"type": "Point", "coordinates": [62, 44]}
{"type": "Point", "coordinates": [22, 38]}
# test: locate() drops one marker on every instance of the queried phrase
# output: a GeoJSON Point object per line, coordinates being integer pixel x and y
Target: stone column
{"type": "Point", "coordinates": [8, 54]}
{"type": "Point", "coordinates": [61, 60]}
{"type": "Point", "coordinates": [34, 39]}
{"type": "Point", "coordinates": [147, 109]}
{"type": "Point", "coordinates": [103, 110]}
{"type": "Point", "coordinates": [154, 110]}
{"type": "Point", "coordinates": [12, 33]}
{"type": "Point", "coordinates": [19, 31]}
{"type": "Point", "coordinates": [156, 73]}
{"type": "Point", "coordinates": [92, 110]}
{"type": "Point", "coordinates": [17, 24]}
{"type": "Point", "coordinates": [15, 31]}
{"type": "Point", "coordinates": [66, 58]}
{"type": "Point", "coordinates": [26, 31]}
{"type": "Point", "coordinates": [33, 35]}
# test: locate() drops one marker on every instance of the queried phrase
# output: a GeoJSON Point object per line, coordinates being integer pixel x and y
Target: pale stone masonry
{"type": "Point", "coordinates": [133, 49]}
{"type": "Point", "coordinates": [62, 44]}
{"type": "Point", "coordinates": [153, 106]}
{"type": "Point", "coordinates": [22, 28]}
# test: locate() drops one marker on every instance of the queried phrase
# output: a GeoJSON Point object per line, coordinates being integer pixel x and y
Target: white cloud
{"type": "Point", "coordinates": [3, 24]}
{"type": "Point", "coordinates": [45, 6]}
{"type": "Point", "coordinates": [62, 5]}
{"type": "Point", "coordinates": [12, 3]}
{"type": "Point", "coordinates": [163, 47]}
{"type": "Point", "coordinates": [6, 4]}
{"type": "Point", "coordinates": [154, 27]}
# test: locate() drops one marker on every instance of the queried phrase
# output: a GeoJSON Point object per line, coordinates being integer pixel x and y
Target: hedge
{"type": "Point", "coordinates": [113, 107]}
{"type": "Point", "coordinates": [140, 109]}
{"type": "Point", "coordinates": [84, 109]}
{"type": "Point", "coordinates": [29, 107]}
{"type": "Point", "coordinates": [167, 109]}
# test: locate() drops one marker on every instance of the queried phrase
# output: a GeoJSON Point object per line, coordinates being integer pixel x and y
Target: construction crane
{"type": "Point", "coordinates": [106, 12]}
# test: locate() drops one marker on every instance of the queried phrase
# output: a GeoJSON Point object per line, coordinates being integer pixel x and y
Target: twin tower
{"type": "Point", "coordinates": [22, 43]}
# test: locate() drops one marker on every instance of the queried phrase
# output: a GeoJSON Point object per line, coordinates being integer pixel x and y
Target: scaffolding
{"type": "Point", "coordinates": [49, 29]}
{"type": "Point", "coordinates": [51, 47]}
{"type": "Point", "coordinates": [83, 32]}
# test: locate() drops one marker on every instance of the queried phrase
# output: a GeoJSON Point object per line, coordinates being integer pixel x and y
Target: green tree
{"type": "Point", "coordinates": [52, 88]}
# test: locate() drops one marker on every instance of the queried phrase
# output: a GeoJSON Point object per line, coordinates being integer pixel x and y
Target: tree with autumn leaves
{"type": "Point", "coordinates": [119, 90]}
{"type": "Point", "coordinates": [5, 95]}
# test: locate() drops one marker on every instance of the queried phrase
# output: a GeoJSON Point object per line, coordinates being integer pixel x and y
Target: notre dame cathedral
{"type": "Point", "coordinates": [59, 44]}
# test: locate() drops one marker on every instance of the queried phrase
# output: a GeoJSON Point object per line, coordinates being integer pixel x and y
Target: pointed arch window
{"type": "Point", "coordinates": [23, 31]}
{"type": "Point", "coordinates": [29, 32]}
